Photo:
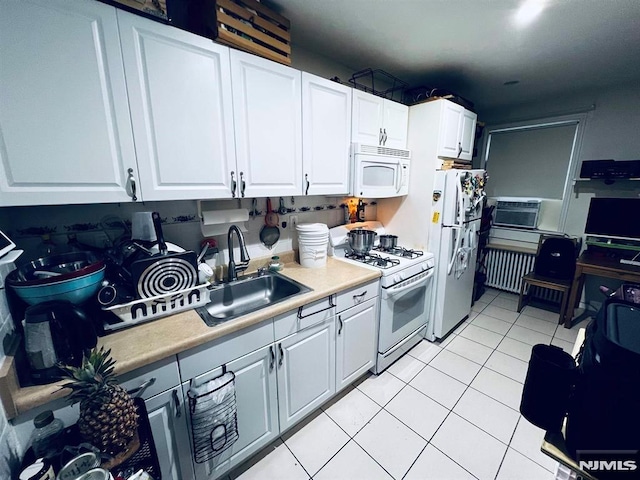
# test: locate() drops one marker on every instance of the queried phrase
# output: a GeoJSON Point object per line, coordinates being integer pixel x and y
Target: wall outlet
{"type": "Point", "coordinates": [293, 220]}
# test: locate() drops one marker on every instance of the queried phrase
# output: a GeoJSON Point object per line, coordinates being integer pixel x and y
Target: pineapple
{"type": "Point", "coordinates": [108, 417]}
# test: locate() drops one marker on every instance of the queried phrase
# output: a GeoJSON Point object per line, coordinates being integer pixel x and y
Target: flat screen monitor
{"type": "Point", "coordinates": [614, 217]}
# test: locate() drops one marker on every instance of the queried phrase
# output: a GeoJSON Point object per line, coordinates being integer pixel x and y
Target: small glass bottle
{"type": "Point", "coordinates": [360, 211]}
{"type": "Point", "coordinates": [47, 247]}
{"type": "Point", "coordinates": [45, 439]}
{"type": "Point", "coordinates": [275, 265]}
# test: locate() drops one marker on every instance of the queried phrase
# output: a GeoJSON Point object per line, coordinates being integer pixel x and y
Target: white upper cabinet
{"type": "Point", "coordinates": [395, 126]}
{"type": "Point", "coordinates": [378, 121]}
{"type": "Point", "coordinates": [179, 88]}
{"type": "Point", "coordinates": [65, 132]}
{"type": "Point", "coordinates": [457, 131]}
{"type": "Point", "coordinates": [326, 136]}
{"type": "Point", "coordinates": [268, 126]}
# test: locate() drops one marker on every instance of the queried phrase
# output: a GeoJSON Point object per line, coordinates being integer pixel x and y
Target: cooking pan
{"type": "Point", "coordinates": [270, 232]}
{"type": "Point", "coordinates": [164, 272]}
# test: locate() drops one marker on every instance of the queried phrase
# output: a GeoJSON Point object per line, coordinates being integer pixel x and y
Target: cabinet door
{"type": "Point", "coordinates": [449, 138]}
{"type": "Point", "coordinates": [306, 372]}
{"type": "Point", "coordinates": [467, 134]}
{"type": "Point", "coordinates": [268, 126]}
{"type": "Point", "coordinates": [366, 123]}
{"type": "Point", "coordinates": [356, 342]}
{"type": "Point", "coordinates": [257, 403]}
{"type": "Point", "coordinates": [180, 95]}
{"type": "Point", "coordinates": [396, 124]}
{"type": "Point", "coordinates": [65, 132]}
{"type": "Point", "coordinates": [168, 420]}
{"type": "Point", "coordinates": [326, 136]}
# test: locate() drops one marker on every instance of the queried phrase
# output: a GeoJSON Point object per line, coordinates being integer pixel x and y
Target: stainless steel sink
{"type": "Point", "coordinates": [246, 295]}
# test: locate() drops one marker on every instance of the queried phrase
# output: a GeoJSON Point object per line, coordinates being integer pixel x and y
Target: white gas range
{"type": "Point", "coordinates": [405, 293]}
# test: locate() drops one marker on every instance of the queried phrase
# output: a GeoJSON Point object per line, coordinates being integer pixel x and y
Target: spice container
{"type": "Point", "coordinates": [275, 265]}
{"type": "Point", "coordinates": [45, 439]}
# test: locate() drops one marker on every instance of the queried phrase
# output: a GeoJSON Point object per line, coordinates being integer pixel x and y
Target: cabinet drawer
{"type": "Point", "coordinates": [152, 379]}
{"type": "Point", "coordinates": [225, 349]}
{"type": "Point", "coordinates": [304, 317]}
{"type": "Point", "coordinates": [356, 296]}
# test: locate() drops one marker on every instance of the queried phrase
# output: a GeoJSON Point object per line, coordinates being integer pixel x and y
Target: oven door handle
{"type": "Point", "coordinates": [419, 283]}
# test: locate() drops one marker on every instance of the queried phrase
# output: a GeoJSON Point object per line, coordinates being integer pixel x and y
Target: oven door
{"type": "Point", "coordinates": [404, 307]}
{"type": "Point", "coordinates": [380, 177]}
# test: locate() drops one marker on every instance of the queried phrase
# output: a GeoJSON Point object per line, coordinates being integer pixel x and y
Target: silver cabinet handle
{"type": "Point", "coordinates": [384, 136]}
{"type": "Point", "coordinates": [272, 353]}
{"type": "Point", "coordinates": [138, 391]}
{"type": "Point", "coordinates": [176, 403]}
{"type": "Point", "coordinates": [306, 177]}
{"type": "Point", "coordinates": [243, 184]}
{"type": "Point", "coordinates": [132, 182]}
{"type": "Point", "coordinates": [459, 149]}
{"type": "Point", "coordinates": [359, 298]}
{"type": "Point", "coordinates": [281, 355]}
{"type": "Point", "coordinates": [380, 137]}
{"type": "Point", "coordinates": [340, 324]}
{"type": "Point", "coordinates": [233, 184]}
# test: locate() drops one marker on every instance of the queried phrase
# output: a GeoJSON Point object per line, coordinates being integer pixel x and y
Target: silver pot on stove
{"type": "Point", "coordinates": [388, 242]}
{"type": "Point", "coordinates": [361, 241]}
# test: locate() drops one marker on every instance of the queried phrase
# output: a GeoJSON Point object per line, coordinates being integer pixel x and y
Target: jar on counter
{"type": "Point", "coordinates": [45, 439]}
{"type": "Point", "coordinates": [275, 265]}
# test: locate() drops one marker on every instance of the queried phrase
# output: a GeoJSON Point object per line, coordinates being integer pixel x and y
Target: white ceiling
{"type": "Point", "coordinates": [473, 46]}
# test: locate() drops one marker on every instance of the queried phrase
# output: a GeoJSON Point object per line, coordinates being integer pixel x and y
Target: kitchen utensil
{"type": "Point", "coordinates": [142, 227]}
{"type": "Point", "coordinates": [72, 276]}
{"type": "Point", "coordinates": [361, 241]}
{"type": "Point", "coordinates": [282, 210]}
{"type": "Point", "coordinates": [164, 272]}
{"type": "Point", "coordinates": [270, 233]}
{"type": "Point", "coordinates": [55, 332]}
{"type": "Point", "coordinates": [388, 242]}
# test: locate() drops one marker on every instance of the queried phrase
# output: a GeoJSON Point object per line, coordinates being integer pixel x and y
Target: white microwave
{"type": "Point", "coordinates": [380, 172]}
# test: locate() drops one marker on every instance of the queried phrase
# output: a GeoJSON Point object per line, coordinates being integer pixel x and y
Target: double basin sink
{"type": "Point", "coordinates": [248, 294]}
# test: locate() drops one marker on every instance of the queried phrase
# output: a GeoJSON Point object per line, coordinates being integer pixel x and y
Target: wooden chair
{"type": "Point", "coordinates": [562, 285]}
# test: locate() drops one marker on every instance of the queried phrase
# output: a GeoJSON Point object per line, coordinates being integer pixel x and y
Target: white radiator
{"type": "Point", "coordinates": [505, 269]}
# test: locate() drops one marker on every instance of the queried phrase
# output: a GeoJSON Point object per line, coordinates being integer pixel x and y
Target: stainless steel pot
{"type": "Point", "coordinates": [387, 242]}
{"type": "Point", "coordinates": [361, 241]}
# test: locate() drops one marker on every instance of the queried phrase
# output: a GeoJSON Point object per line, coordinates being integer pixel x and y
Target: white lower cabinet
{"type": "Point", "coordinates": [167, 417]}
{"type": "Point", "coordinates": [257, 407]}
{"type": "Point", "coordinates": [306, 371]}
{"type": "Point", "coordinates": [356, 342]}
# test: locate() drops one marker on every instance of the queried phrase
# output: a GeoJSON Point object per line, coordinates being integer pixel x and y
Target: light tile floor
{"type": "Point", "coordinates": [445, 411]}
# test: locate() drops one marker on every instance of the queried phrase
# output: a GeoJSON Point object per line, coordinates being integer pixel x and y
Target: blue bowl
{"type": "Point", "coordinates": [75, 290]}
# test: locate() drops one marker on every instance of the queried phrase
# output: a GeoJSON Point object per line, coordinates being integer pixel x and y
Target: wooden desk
{"type": "Point", "coordinates": [590, 264]}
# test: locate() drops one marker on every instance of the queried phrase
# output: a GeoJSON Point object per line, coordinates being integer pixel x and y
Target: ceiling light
{"type": "Point", "coordinates": [528, 11]}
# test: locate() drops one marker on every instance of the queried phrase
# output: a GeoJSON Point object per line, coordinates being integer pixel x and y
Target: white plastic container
{"type": "Point", "coordinates": [313, 240]}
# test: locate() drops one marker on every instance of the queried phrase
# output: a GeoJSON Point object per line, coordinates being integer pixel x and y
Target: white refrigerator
{"type": "Point", "coordinates": [455, 224]}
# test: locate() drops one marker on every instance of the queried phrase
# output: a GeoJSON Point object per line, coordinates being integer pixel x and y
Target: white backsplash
{"type": "Point", "coordinates": [181, 223]}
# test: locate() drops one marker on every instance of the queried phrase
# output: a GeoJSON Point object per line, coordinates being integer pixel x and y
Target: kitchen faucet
{"type": "Point", "coordinates": [233, 268]}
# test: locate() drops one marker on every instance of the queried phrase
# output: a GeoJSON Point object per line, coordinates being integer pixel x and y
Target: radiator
{"type": "Point", "coordinates": [505, 269]}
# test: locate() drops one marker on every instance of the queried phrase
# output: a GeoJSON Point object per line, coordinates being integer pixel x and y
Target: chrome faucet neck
{"type": "Point", "coordinates": [233, 267]}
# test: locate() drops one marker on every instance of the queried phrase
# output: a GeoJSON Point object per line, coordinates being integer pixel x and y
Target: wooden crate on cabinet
{"type": "Point", "coordinates": [250, 26]}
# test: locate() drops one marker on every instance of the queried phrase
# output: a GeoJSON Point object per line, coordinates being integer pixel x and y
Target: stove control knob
{"type": "Point", "coordinates": [424, 265]}
{"type": "Point", "coordinates": [396, 279]}
{"type": "Point", "coordinates": [402, 275]}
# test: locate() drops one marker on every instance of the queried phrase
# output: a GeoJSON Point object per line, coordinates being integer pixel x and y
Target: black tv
{"type": "Point", "coordinates": [614, 217]}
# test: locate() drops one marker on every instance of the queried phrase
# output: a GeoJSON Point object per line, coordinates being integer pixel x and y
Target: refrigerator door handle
{"type": "Point", "coordinates": [457, 231]}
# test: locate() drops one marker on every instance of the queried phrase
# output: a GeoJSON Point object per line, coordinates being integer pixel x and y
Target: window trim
{"type": "Point", "coordinates": [579, 119]}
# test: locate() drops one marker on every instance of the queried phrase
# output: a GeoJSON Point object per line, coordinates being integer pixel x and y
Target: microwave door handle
{"type": "Point", "coordinates": [399, 177]}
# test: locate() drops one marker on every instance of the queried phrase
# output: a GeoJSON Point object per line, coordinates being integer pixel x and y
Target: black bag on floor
{"type": "Point", "coordinates": [604, 414]}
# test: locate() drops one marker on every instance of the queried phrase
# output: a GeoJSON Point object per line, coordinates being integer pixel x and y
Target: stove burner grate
{"type": "Point", "coordinates": [400, 252]}
{"type": "Point", "coordinates": [372, 259]}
